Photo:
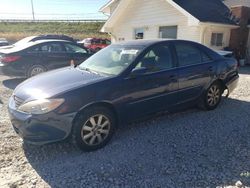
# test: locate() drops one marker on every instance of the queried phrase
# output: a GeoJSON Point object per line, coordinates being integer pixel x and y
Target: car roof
{"type": "Point", "coordinates": [145, 43]}
{"type": "Point", "coordinates": [49, 40]}
{"type": "Point", "coordinates": [55, 37]}
{"type": "Point", "coordinates": [30, 44]}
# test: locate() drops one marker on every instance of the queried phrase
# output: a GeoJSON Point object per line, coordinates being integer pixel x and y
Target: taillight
{"type": "Point", "coordinates": [10, 59]}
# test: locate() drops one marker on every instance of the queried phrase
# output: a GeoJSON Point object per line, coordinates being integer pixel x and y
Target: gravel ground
{"type": "Point", "coordinates": [193, 148]}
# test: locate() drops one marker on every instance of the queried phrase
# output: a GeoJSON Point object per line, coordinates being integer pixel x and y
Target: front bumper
{"type": "Point", "coordinates": [232, 83]}
{"type": "Point", "coordinates": [40, 129]}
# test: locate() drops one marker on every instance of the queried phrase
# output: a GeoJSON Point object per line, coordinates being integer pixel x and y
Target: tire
{"type": "Point", "coordinates": [35, 70]}
{"type": "Point", "coordinates": [212, 96]}
{"type": "Point", "coordinates": [87, 135]}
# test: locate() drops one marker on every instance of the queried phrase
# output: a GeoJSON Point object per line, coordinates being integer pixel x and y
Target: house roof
{"type": "Point", "coordinates": [197, 11]}
{"type": "Point", "coordinates": [105, 8]}
{"type": "Point", "coordinates": [207, 10]}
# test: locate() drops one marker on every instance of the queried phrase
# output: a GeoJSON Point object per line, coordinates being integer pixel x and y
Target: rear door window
{"type": "Point", "coordinates": [70, 48]}
{"type": "Point", "coordinates": [34, 49]}
{"type": "Point", "coordinates": [51, 48]}
{"type": "Point", "coordinates": [205, 57]}
{"type": "Point", "coordinates": [187, 54]}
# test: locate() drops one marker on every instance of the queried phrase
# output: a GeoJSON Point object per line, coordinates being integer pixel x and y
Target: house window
{"type": "Point", "coordinates": [168, 32]}
{"type": "Point", "coordinates": [217, 39]}
{"type": "Point", "coordinates": [121, 39]}
{"type": "Point", "coordinates": [139, 33]}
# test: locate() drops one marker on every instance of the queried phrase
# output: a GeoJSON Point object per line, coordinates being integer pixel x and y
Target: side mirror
{"type": "Point", "coordinates": [138, 71]}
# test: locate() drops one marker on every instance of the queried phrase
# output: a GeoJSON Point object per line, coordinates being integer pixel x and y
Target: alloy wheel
{"type": "Point", "coordinates": [95, 130]}
{"type": "Point", "coordinates": [36, 70]}
{"type": "Point", "coordinates": [213, 96]}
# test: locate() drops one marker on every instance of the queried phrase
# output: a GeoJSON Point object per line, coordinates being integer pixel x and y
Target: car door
{"type": "Point", "coordinates": [54, 54]}
{"type": "Point", "coordinates": [195, 70]}
{"type": "Point", "coordinates": [153, 90]}
{"type": "Point", "coordinates": [76, 53]}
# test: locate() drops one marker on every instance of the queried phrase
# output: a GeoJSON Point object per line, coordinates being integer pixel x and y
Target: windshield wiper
{"type": "Point", "coordinates": [89, 70]}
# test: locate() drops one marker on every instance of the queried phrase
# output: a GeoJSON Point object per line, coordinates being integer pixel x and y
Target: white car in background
{"type": "Point", "coordinates": [3, 42]}
{"type": "Point", "coordinates": [225, 53]}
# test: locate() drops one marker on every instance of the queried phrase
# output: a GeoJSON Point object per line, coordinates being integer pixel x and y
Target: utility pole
{"type": "Point", "coordinates": [33, 13]}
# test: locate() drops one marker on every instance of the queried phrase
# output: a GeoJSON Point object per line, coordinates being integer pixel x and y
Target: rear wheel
{"type": "Point", "coordinates": [93, 128]}
{"type": "Point", "coordinates": [212, 97]}
{"type": "Point", "coordinates": [35, 70]}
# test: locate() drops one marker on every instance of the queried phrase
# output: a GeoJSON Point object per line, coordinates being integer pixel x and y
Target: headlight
{"type": "Point", "coordinates": [40, 106]}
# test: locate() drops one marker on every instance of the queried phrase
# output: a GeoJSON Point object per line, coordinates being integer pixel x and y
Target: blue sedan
{"type": "Point", "coordinates": [121, 83]}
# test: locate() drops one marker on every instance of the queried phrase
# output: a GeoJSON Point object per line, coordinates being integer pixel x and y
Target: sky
{"type": "Point", "coordinates": [52, 9]}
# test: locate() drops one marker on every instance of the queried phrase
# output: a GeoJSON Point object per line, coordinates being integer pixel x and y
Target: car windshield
{"type": "Point", "coordinates": [112, 60]}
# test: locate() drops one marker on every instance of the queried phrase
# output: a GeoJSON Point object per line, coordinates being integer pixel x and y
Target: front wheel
{"type": "Point", "coordinates": [93, 128]}
{"type": "Point", "coordinates": [212, 97]}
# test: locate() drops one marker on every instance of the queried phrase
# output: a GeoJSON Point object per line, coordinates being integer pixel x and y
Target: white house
{"type": "Point", "coordinates": [233, 3]}
{"type": "Point", "coordinates": [204, 21]}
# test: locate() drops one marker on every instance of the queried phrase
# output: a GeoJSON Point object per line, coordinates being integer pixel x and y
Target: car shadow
{"type": "Point", "coordinates": [12, 83]}
{"type": "Point", "coordinates": [192, 148]}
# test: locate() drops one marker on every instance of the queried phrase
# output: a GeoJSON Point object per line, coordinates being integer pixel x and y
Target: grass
{"type": "Point", "coordinates": [16, 31]}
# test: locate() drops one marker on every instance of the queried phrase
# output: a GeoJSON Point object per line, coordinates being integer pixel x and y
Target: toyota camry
{"type": "Point", "coordinates": [124, 82]}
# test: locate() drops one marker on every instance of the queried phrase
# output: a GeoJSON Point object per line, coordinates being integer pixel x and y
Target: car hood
{"type": "Point", "coordinates": [55, 82]}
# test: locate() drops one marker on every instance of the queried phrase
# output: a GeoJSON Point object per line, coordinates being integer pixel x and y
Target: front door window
{"type": "Point", "coordinates": [157, 59]}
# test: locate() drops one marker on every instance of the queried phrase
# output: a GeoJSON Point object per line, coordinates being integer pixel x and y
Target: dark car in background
{"type": "Point", "coordinates": [121, 83]}
{"type": "Point", "coordinates": [95, 44]}
{"type": "Point", "coordinates": [34, 57]}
